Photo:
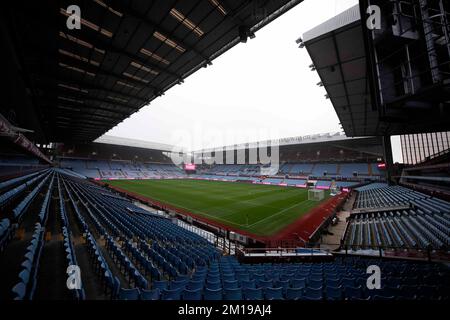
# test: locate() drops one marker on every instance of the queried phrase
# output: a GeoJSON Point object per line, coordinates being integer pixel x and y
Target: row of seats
{"type": "Point", "coordinates": [6, 232]}
{"type": "Point", "coordinates": [14, 181]}
{"type": "Point", "coordinates": [26, 286]}
{"type": "Point", "coordinates": [386, 197]}
{"type": "Point", "coordinates": [121, 259]}
{"type": "Point", "coordinates": [423, 223]}
{"type": "Point", "coordinates": [399, 229]}
{"type": "Point", "coordinates": [371, 186]}
{"type": "Point", "coordinates": [71, 258]}
{"type": "Point", "coordinates": [44, 211]}
{"type": "Point", "coordinates": [300, 281]}
{"type": "Point", "coordinates": [20, 209]}
{"type": "Point", "coordinates": [8, 196]}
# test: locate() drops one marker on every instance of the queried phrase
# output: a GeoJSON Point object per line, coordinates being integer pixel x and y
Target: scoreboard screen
{"type": "Point", "coordinates": [189, 167]}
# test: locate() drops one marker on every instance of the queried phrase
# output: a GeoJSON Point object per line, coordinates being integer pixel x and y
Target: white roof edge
{"type": "Point", "coordinates": [106, 139]}
{"type": "Point", "coordinates": [341, 20]}
{"type": "Point", "coordinates": [315, 138]}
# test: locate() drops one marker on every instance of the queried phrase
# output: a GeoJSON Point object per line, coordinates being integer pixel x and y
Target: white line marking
{"type": "Point", "coordinates": [276, 214]}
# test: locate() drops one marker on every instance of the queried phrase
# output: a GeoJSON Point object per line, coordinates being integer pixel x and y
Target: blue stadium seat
{"type": "Point", "coordinates": [181, 284]}
{"type": "Point", "coordinates": [253, 294]}
{"type": "Point", "coordinates": [233, 294]}
{"type": "Point", "coordinates": [264, 284]}
{"type": "Point", "coordinates": [333, 283]}
{"type": "Point", "coordinates": [230, 284]}
{"type": "Point", "coordinates": [243, 277]}
{"type": "Point", "coordinates": [19, 291]}
{"type": "Point", "coordinates": [334, 293]}
{"type": "Point", "coordinates": [182, 277]}
{"type": "Point", "coordinates": [129, 294]}
{"type": "Point", "coordinates": [353, 293]}
{"type": "Point", "coordinates": [171, 294]}
{"type": "Point", "coordinates": [161, 285]}
{"type": "Point", "coordinates": [24, 275]}
{"type": "Point", "coordinates": [192, 295]}
{"type": "Point", "coordinates": [194, 285]}
{"type": "Point", "coordinates": [298, 283]}
{"type": "Point", "coordinates": [314, 284]}
{"type": "Point", "coordinates": [259, 276]}
{"type": "Point", "coordinates": [283, 284]}
{"type": "Point", "coordinates": [153, 294]}
{"type": "Point", "coordinates": [294, 293]}
{"type": "Point", "coordinates": [214, 285]}
{"type": "Point", "coordinates": [248, 284]}
{"type": "Point", "coordinates": [213, 294]}
{"type": "Point", "coordinates": [348, 282]}
{"type": "Point", "coordinates": [228, 277]}
{"type": "Point", "coordinates": [312, 294]}
{"type": "Point", "coordinates": [273, 293]}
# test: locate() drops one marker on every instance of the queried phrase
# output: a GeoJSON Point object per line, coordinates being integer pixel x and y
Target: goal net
{"type": "Point", "coordinates": [315, 194]}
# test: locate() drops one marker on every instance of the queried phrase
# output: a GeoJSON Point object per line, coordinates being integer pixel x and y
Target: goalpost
{"type": "Point", "coordinates": [316, 194]}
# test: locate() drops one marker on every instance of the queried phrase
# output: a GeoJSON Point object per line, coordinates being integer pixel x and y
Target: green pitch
{"type": "Point", "coordinates": [259, 209]}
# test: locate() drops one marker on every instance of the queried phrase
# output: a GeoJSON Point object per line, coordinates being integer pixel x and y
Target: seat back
{"type": "Point", "coordinates": [129, 294]}
{"type": "Point", "coordinates": [213, 294]}
{"type": "Point", "coordinates": [294, 293]}
{"type": "Point", "coordinates": [192, 295]}
{"type": "Point", "coordinates": [273, 293]}
{"type": "Point", "coordinates": [153, 294]}
{"type": "Point", "coordinates": [233, 294]}
{"type": "Point", "coordinates": [253, 294]}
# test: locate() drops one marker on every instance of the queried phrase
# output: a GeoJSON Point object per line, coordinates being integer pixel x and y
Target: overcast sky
{"type": "Point", "coordinates": [259, 90]}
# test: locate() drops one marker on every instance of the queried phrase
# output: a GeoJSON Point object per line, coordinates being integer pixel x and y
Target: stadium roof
{"type": "Point", "coordinates": [337, 50]}
{"type": "Point", "coordinates": [294, 141]}
{"type": "Point", "coordinates": [343, 53]}
{"type": "Point", "coordinates": [74, 85]}
{"type": "Point", "coordinates": [134, 143]}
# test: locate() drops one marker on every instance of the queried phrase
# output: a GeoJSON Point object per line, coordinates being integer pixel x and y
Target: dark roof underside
{"type": "Point", "coordinates": [341, 57]}
{"type": "Point", "coordinates": [340, 60]}
{"type": "Point", "coordinates": [74, 85]}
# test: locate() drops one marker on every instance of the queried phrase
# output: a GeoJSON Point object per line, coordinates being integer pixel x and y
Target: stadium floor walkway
{"type": "Point", "coordinates": [332, 240]}
{"type": "Point", "coordinates": [52, 271]}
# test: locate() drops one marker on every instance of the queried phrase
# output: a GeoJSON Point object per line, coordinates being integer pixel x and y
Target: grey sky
{"type": "Point", "coordinates": [259, 90]}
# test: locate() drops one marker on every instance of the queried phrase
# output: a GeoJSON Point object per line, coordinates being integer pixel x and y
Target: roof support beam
{"type": "Point", "coordinates": [111, 48]}
{"type": "Point", "coordinates": [137, 15]}
{"type": "Point", "coordinates": [99, 72]}
{"type": "Point", "coordinates": [85, 114]}
{"type": "Point", "coordinates": [86, 99]}
{"type": "Point", "coordinates": [125, 111]}
{"type": "Point", "coordinates": [51, 82]}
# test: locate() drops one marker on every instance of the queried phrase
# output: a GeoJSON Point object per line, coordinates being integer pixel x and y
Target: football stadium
{"type": "Point", "coordinates": [87, 215]}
